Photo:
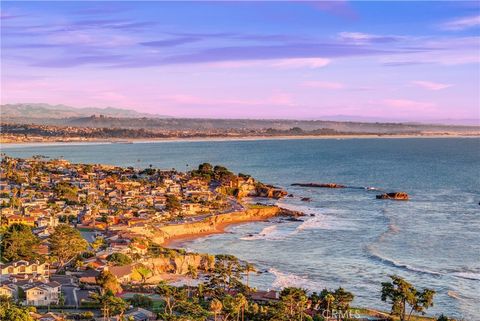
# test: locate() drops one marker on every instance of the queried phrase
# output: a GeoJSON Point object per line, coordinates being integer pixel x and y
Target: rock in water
{"type": "Point", "coordinates": [324, 185]}
{"type": "Point", "coordinates": [400, 196]}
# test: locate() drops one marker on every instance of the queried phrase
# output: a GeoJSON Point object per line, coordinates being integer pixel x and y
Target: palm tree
{"type": "Point", "coordinates": [247, 269]}
{"type": "Point", "coordinates": [329, 298]}
{"type": "Point", "coordinates": [216, 307]}
{"type": "Point", "coordinates": [192, 273]}
{"type": "Point", "coordinates": [242, 303]}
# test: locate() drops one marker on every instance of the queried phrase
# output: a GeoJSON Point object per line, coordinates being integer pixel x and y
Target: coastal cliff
{"type": "Point", "coordinates": [179, 264]}
{"type": "Point", "coordinates": [216, 223]}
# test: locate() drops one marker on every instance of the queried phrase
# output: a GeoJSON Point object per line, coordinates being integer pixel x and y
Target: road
{"type": "Point", "coordinates": [70, 295]}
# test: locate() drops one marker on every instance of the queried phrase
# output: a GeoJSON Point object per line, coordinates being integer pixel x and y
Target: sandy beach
{"type": "Point", "coordinates": [226, 138]}
{"type": "Point", "coordinates": [175, 241]}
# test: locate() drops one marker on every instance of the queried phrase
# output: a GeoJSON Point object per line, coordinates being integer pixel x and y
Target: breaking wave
{"type": "Point", "coordinates": [268, 233]}
{"type": "Point", "coordinates": [467, 275]}
{"type": "Point", "coordinates": [325, 222]}
{"type": "Point", "coordinates": [407, 267]}
{"type": "Point", "coordinates": [283, 280]}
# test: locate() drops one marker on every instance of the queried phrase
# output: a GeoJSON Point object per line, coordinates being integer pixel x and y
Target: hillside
{"type": "Point", "coordinates": [115, 118]}
{"type": "Point", "coordinates": [45, 111]}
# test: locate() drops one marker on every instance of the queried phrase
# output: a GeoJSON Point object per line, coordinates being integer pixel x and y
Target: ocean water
{"type": "Point", "coordinates": [349, 239]}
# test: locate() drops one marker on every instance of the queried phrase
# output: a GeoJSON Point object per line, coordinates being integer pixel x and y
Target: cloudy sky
{"type": "Point", "coordinates": [307, 60]}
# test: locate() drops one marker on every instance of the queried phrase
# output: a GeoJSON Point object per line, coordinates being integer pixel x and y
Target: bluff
{"type": "Point", "coordinates": [216, 223]}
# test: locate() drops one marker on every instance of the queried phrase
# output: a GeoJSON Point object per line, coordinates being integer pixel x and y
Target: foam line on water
{"type": "Point", "coordinates": [283, 280]}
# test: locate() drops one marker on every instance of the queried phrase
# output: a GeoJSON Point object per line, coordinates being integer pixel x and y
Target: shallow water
{"type": "Point", "coordinates": [352, 239]}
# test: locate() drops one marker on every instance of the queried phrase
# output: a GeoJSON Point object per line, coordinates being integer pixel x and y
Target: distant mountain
{"type": "Point", "coordinates": [365, 119]}
{"type": "Point", "coordinates": [39, 110]}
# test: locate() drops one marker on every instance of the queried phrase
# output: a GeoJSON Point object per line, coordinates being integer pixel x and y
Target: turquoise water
{"type": "Point", "coordinates": [352, 239]}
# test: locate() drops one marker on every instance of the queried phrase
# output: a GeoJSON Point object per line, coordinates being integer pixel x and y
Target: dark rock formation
{"type": "Point", "coordinates": [305, 199]}
{"type": "Point", "coordinates": [268, 191]}
{"type": "Point", "coordinates": [323, 185]}
{"type": "Point", "coordinates": [402, 196]}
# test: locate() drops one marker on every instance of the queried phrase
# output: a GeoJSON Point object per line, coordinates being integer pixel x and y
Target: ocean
{"type": "Point", "coordinates": [349, 238]}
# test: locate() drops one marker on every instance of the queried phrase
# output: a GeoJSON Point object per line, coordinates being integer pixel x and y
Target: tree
{"type": "Point", "coordinates": [294, 303]}
{"type": "Point", "coordinates": [242, 303]}
{"type": "Point", "coordinates": [19, 243]}
{"type": "Point", "coordinates": [329, 299]}
{"type": "Point", "coordinates": [108, 282]}
{"type": "Point", "coordinates": [226, 274]}
{"type": "Point", "coordinates": [119, 259]}
{"type": "Point", "coordinates": [9, 311]}
{"type": "Point", "coordinates": [98, 243]}
{"type": "Point", "coordinates": [216, 307]}
{"type": "Point", "coordinates": [248, 268]}
{"type": "Point", "coordinates": [231, 308]}
{"type": "Point", "coordinates": [172, 203]}
{"type": "Point", "coordinates": [110, 304]}
{"type": "Point", "coordinates": [142, 301]}
{"type": "Point", "coordinates": [401, 294]}
{"type": "Point", "coordinates": [443, 317]}
{"type": "Point", "coordinates": [192, 273]}
{"type": "Point", "coordinates": [172, 295]}
{"type": "Point", "coordinates": [143, 273]}
{"type": "Point", "coordinates": [342, 300]}
{"type": "Point", "coordinates": [66, 243]}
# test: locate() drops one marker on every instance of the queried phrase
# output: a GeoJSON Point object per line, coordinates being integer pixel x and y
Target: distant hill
{"type": "Point", "coordinates": [39, 110]}
{"type": "Point", "coordinates": [90, 117]}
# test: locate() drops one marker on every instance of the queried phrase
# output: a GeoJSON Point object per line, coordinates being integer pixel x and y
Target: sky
{"type": "Point", "coordinates": [408, 60]}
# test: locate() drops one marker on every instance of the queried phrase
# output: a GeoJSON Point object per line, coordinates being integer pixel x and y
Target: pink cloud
{"type": "Point", "coordinates": [302, 62]}
{"type": "Point", "coordinates": [273, 63]}
{"type": "Point", "coordinates": [323, 84]}
{"type": "Point", "coordinates": [462, 23]}
{"type": "Point", "coordinates": [430, 85]}
{"type": "Point", "coordinates": [276, 99]}
{"type": "Point", "coordinates": [407, 104]}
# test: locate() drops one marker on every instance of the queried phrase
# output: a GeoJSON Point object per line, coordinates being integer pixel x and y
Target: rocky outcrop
{"type": "Point", "coordinates": [269, 191]}
{"type": "Point", "coordinates": [256, 189]}
{"type": "Point", "coordinates": [179, 263]}
{"type": "Point", "coordinates": [323, 185]}
{"type": "Point", "coordinates": [400, 196]}
{"type": "Point", "coordinates": [216, 223]}
{"type": "Point", "coordinates": [305, 199]}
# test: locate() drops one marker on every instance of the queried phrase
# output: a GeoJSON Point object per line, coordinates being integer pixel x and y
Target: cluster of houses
{"type": "Point", "coordinates": [28, 282]}
{"type": "Point", "coordinates": [42, 194]}
{"type": "Point", "coordinates": [107, 203]}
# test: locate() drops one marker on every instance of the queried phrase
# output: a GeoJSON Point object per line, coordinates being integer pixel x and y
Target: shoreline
{"type": "Point", "coordinates": [177, 241]}
{"type": "Point", "coordinates": [180, 233]}
{"type": "Point", "coordinates": [226, 139]}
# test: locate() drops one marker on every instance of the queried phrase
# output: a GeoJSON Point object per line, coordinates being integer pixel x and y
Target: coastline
{"type": "Point", "coordinates": [177, 241]}
{"type": "Point", "coordinates": [179, 233]}
{"type": "Point", "coordinates": [226, 138]}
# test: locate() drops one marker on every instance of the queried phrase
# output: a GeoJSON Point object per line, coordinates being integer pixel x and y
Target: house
{"type": "Point", "coordinates": [122, 273]}
{"type": "Point", "coordinates": [88, 277]}
{"type": "Point", "coordinates": [18, 219]}
{"type": "Point", "coordinates": [139, 314]}
{"type": "Point", "coordinates": [50, 221]}
{"type": "Point", "coordinates": [193, 208]}
{"type": "Point", "coordinates": [23, 269]}
{"type": "Point", "coordinates": [40, 293]}
{"type": "Point", "coordinates": [9, 290]}
{"type": "Point", "coordinates": [265, 296]}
